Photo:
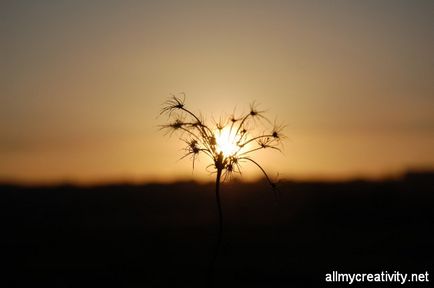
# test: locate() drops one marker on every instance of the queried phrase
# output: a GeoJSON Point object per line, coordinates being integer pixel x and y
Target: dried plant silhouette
{"type": "Point", "coordinates": [227, 143]}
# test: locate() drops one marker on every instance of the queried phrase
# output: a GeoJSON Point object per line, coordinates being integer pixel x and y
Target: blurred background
{"type": "Point", "coordinates": [82, 84]}
{"type": "Point", "coordinates": [93, 194]}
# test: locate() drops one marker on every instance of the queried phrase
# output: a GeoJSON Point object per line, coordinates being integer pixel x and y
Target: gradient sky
{"type": "Point", "coordinates": [82, 84]}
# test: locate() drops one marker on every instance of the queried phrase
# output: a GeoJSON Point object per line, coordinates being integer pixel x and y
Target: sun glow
{"type": "Point", "coordinates": [226, 142]}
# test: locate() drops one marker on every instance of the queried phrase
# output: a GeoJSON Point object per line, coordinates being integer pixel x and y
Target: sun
{"type": "Point", "coordinates": [226, 142]}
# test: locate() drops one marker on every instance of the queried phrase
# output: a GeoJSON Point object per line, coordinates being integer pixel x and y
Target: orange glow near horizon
{"type": "Point", "coordinates": [81, 89]}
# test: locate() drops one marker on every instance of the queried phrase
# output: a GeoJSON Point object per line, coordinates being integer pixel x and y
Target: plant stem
{"type": "Point", "coordinates": [219, 206]}
{"type": "Point", "coordinates": [220, 229]}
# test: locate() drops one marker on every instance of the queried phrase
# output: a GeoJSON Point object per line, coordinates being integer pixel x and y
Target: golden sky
{"type": "Point", "coordinates": [82, 83]}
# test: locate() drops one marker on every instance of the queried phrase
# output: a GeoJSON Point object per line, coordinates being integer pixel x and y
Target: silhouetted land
{"type": "Point", "coordinates": [163, 235]}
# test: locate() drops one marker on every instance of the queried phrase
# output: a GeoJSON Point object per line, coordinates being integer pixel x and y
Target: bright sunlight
{"type": "Point", "coordinates": [226, 142]}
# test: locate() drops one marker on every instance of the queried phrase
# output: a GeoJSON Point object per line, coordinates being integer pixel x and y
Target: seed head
{"type": "Point", "coordinates": [241, 132]}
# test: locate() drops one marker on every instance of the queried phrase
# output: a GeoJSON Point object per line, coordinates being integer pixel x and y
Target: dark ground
{"type": "Point", "coordinates": [164, 235]}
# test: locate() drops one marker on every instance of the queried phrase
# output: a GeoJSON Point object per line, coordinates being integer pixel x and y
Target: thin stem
{"type": "Point", "coordinates": [220, 230]}
{"type": "Point", "coordinates": [253, 150]}
{"type": "Point", "coordinates": [198, 121]}
{"type": "Point", "coordinates": [260, 167]}
{"type": "Point", "coordinates": [259, 148]}
{"type": "Point", "coordinates": [192, 134]}
{"type": "Point", "coordinates": [242, 122]}
{"type": "Point", "coordinates": [256, 138]}
{"type": "Point", "coordinates": [219, 206]}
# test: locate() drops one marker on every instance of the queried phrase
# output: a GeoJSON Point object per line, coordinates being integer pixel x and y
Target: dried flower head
{"type": "Point", "coordinates": [228, 142]}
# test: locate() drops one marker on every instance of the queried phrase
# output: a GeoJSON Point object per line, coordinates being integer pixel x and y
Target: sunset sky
{"type": "Point", "coordinates": [82, 83]}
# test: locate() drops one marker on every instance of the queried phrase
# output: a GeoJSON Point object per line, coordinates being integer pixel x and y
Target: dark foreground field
{"type": "Point", "coordinates": [164, 235]}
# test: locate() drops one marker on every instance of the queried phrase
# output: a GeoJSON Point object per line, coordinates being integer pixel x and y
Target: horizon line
{"type": "Point", "coordinates": [402, 175]}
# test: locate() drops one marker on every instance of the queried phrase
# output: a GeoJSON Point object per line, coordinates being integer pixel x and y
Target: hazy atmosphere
{"type": "Point", "coordinates": [82, 83]}
{"type": "Point", "coordinates": [247, 144]}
